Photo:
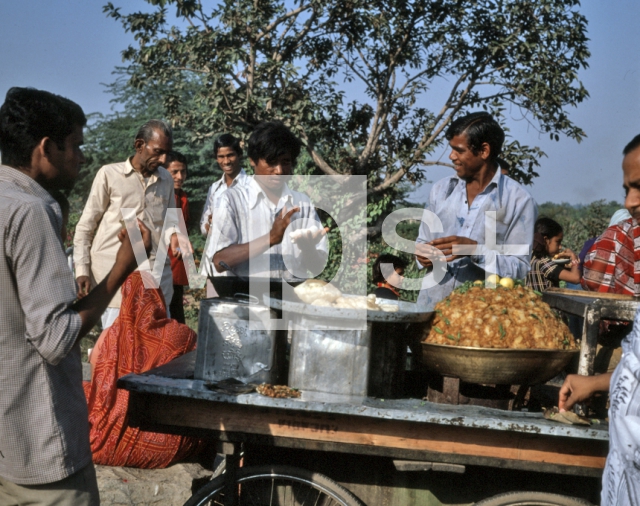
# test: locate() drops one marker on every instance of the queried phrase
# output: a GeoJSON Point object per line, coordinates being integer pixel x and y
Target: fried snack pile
{"type": "Point", "coordinates": [277, 391]}
{"type": "Point", "coordinates": [498, 318]}
{"type": "Point", "coordinates": [321, 293]}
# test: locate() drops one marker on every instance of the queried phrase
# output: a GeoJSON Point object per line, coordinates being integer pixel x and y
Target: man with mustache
{"type": "Point", "coordinates": [141, 182]}
{"type": "Point", "coordinates": [461, 201]}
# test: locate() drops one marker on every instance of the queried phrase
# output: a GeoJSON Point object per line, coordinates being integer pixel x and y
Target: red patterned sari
{"type": "Point", "coordinates": [141, 338]}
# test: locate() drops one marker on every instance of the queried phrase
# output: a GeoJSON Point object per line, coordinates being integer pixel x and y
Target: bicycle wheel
{"type": "Point", "coordinates": [532, 499]}
{"type": "Point", "coordinates": [277, 486]}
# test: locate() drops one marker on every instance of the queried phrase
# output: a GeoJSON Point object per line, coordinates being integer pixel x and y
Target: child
{"type": "Point", "coordinates": [547, 267]}
{"type": "Point", "coordinates": [385, 289]}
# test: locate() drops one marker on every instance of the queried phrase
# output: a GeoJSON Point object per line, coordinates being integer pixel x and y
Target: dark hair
{"type": "Point", "coordinates": [62, 201]}
{"type": "Point", "coordinates": [633, 144]}
{"type": "Point", "coordinates": [270, 140]}
{"type": "Point", "coordinates": [480, 127]}
{"type": "Point", "coordinates": [545, 228]}
{"type": "Point", "coordinates": [386, 258]}
{"type": "Point", "coordinates": [145, 132]}
{"type": "Point", "coordinates": [227, 141]}
{"type": "Point", "coordinates": [176, 156]}
{"type": "Point", "coordinates": [28, 116]}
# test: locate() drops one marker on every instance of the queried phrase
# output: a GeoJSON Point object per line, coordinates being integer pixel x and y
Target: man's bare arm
{"type": "Point", "coordinates": [237, 254]}
{"type": "Point", "coordinates": [91, 307]}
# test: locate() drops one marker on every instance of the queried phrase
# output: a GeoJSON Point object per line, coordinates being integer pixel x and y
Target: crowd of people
{"type": "Point", "coordinates": [52, 427]}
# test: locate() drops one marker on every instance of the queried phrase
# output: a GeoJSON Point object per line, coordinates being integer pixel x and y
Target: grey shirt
{"type": "Point", "coordinates": [44, 428]}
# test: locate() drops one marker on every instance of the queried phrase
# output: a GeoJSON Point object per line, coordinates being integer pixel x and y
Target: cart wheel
{"type": "Point", "coordinates": [532, 499]}
{"type": "Point", "coordinates": [274, 485]}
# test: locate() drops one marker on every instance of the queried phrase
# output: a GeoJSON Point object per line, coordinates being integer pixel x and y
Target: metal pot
{"type": "Point", "coordinates": [346, 365]}
{"type": "Point", "coordinates": [496, 366]}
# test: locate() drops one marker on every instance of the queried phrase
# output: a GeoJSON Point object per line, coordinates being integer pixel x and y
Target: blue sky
{"type": "Point", "coordinates": [70, 47]}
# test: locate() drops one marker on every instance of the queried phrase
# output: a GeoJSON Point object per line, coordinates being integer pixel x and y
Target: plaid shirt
{"type": "Point", "coordinates": [543, 274]}
{"type": "Point", "coordinates": [44, 426]}
{"type": "Point", "coordinates": [610, 263]}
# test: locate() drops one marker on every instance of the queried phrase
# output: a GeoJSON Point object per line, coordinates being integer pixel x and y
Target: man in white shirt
{"type": "Point", "coordinates": [140, 183]}
{"type": "Point", "coordinates": [228, 153]}
{"type": "Point", "coordinates": [252, 219]}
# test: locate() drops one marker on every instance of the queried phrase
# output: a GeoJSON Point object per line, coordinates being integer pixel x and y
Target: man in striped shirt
{"type": "Point", "coordinates": [610, 264]}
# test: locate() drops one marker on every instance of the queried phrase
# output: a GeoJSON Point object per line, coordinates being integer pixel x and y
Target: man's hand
{"type": "Point", "coordinates": [280, 224]}
{"type": "Point", "coordinates": [125, 258]}
{"type": "Point", "coordinates": [309, 239]}
{"type": "Point", "coordinates": [423, 252]}
{"type": "Point", "coordinates": [445, 244]}
{"type": "Point", "coordinates": [175, 246]}
{"type": "Point", "coordinates": [84, 285]}
{"type": "Point", "coordinates": [577, 388]}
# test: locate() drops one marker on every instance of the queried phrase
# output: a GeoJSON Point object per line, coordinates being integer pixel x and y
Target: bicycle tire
{"type": "Point", "coordinates": [532, 499]}
{"type": "Point", "coordinates": [277, 485]}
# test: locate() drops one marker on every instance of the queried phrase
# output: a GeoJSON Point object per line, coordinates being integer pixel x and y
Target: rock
{"type": "Point", "coordinates": [127, 486]}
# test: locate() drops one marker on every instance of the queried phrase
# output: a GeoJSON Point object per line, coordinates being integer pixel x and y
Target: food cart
{"type": "Point", "coordinates": [375, 451]}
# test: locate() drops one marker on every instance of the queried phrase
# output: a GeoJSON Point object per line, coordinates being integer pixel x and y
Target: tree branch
{"type": "Point", "coordinates": [321, 163]}
{"type": "Point", "coordinates": [279, 20]}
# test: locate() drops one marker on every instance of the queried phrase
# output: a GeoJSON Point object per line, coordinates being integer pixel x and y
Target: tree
{"type": "Point", "coordinates": [252, 60]}
{"type": "Point", "coordinates": [580, 222]}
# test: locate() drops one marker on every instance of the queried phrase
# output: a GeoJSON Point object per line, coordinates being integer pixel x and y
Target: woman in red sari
{"type": "Point", "coordinates": [141, 338]}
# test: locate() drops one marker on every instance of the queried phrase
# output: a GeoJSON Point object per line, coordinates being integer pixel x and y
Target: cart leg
{"type": "Point", "coordinates": [588, 347]}
{"type": "Point", "coordinates": [590, 330]}
{"type": "Point", "coordinates": [231, 451]}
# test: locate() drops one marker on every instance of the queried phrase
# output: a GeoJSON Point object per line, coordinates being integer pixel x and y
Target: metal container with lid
{"type": "Point", "coordinates": [352, 362]}
{"type": "Point", "coordinates": [230, 345]}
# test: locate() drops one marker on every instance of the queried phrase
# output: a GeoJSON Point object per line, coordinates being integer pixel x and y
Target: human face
{"type": "Point", "coordinates": [272, 174]}
{"type": "Point", "coordinates": [554, 244]}
{"type": "Point", "coordinates": [229, 162]}
{"type": "Point", "coordinates": [465, 163]}
{"type": "Point", "coordinates": [151, 155]}
{"type": "Point", "coordinates": [631, 182]}
{"type": "Point", "coordinates": [65, 162]}
{"type": "Point", "coordinates": [396, 278]}
{"type": "Point", "coordinates": [178, 172]}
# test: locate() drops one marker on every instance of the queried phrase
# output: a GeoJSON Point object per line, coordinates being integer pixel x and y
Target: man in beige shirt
{"type": "Point", "coordinates": [140, 183]}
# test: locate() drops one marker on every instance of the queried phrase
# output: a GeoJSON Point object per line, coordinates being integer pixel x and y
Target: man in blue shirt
{"type": "Point", "coordinates": [460, 203]}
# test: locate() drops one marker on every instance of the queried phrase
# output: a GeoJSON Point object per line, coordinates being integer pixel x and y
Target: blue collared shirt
{"type": "Point", "coordinates": [516, 213]}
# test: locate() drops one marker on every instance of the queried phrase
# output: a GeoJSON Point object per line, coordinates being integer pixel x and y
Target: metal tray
{"type": "Point", "coordinates": [407, 311]}
{"type": "Point", "coordinates": [496, 366]}
{"type": "Point", "coordinates": [230, 286]}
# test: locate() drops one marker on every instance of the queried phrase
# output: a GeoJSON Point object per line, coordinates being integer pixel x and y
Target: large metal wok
{"type": "Point", "coordinates": [496, 366]}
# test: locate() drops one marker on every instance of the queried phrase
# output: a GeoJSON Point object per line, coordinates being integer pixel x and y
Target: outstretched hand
{"type": "Point", "coordinates": [280, 224]}
{"type": "Point", "coordinates": [310, 238]}
{"type": "Point", "coordinates": [577, 388]}
{"type": "Point", "coordinates": [125, 258]}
